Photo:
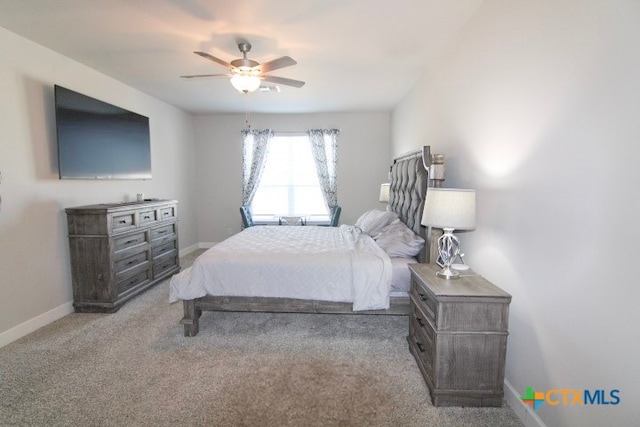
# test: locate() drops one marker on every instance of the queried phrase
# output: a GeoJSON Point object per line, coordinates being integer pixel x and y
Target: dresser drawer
{"type": "Point", "coordinates": [147, 217]}
{"type": "Point", "coordinates": [130, 262]}
{"type": "Point", "coordinates": [425, 299]}
{"type": "Point", "coordinates": [162, 234]}
{"type": "Point", "coordinates": [122, 221]}
{"type": "Point", "coordinates": [165, 263]}
{"type": "Point", "coordinates": [163, 248]}
{"type": "Point", "coordinates": [166, 213]}
{"type": "Point", "coordinates": [131, 282]}
{"type": "Point", "coordinates": [129, 241]}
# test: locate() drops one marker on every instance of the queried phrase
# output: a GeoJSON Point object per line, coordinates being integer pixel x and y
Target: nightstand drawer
{"type": "Point", "coordinates": [422, 350]}
{"type": "Point", "coordinates": [425, 299]}
{"type": "Point", "coordinates": [423, 322]}
{"type": "Point", "coordinates": [423, 341]}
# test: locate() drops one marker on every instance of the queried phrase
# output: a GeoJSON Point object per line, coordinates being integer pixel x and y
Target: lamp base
{"type": "Point", "coordinates": [449, 250]}
{"type": "Point", "coordinates": [448, 273]}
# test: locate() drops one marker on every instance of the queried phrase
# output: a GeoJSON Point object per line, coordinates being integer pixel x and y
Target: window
{"type": "Point", "coordinates": [289, 184]}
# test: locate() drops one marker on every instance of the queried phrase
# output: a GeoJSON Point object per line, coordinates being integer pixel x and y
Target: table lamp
{"type": "Point", "coordinates": [449, 209]}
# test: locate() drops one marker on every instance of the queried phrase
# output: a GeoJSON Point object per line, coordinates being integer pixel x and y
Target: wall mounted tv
{"type": "Point", "coordinates": [97, 140]}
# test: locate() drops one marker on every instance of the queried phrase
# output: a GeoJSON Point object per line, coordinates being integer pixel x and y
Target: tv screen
{"type": "Point", "coordinates": [97, 140]}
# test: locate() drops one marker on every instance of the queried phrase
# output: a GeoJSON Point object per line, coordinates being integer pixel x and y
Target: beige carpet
{"type": "Point", "coordinates": [135, 368]}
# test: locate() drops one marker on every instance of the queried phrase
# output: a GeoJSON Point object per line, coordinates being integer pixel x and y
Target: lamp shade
{"type": "Point", "coordinates": [452, 208]}
{"type": "Point", "coordinates": [384, 192]}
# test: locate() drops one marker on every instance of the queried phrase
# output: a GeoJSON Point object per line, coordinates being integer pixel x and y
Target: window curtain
{"type": "Point", "coordinates": [324, 146]}
{"type": "Point", "coordinates": [255, 145]}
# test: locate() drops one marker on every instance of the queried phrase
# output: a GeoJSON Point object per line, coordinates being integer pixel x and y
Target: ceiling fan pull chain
{"type": "Point", "coordinates": [247, 115]}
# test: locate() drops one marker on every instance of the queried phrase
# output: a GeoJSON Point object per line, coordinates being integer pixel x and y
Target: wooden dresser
{"type": "Point", "coordinates": [119, 250]}
{"type": "Point", "coordinates": [458, 335]}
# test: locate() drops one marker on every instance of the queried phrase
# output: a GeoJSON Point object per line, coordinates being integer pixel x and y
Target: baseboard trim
{"type": "Point", "coordinates": [524, 412]}
{"type": "Point", "coordinates": [189, 249]}
{"type": "Point", "coordinates": [25, 328]}
{"type": "Point", "coordinates": [193, 248]}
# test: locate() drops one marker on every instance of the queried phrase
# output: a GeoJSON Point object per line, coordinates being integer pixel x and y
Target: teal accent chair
{"type": "Point", "coordinates": [247, 219]}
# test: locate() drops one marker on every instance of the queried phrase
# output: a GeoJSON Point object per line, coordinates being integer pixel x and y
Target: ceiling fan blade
{"type": "Point", "coordinates": [214, 59]}
{"type": "Point", "coordinates": [283, 81]}
{"type": "Point", "coordinates": [195, 76]}
{"type": "Point", "coordinates": [283, 61]}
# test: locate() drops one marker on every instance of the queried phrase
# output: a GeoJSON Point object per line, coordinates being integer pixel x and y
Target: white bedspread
{"type": "Point", "coordinates": [338, 264]}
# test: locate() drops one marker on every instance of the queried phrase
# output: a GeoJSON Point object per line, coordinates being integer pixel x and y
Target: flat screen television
{"type": "Point", "coordinates": [97, 140]}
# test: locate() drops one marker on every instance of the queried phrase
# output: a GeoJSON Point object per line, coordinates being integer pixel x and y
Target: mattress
{"type": "Point", "coordinates": [339, 264]}
{"type": "Point", "coordinates": [401, 276]}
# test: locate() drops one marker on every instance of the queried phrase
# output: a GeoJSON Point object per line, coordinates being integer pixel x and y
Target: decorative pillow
{"type": "Point", "coordinates": [371, 222]}
{"type": "Point", "coordinates": [398, 240]}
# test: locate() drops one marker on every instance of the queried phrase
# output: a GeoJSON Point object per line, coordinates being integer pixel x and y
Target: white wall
{"type": "Point", "coordinates": [363, 163]}
{"type": "Point", "coordinates": [35, 282]}
{"type": "Point", "coordinates": [537, 106]}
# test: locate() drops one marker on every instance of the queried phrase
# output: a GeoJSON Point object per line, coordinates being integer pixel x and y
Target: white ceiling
{"type": "Point", "coordinates": [354, 55]}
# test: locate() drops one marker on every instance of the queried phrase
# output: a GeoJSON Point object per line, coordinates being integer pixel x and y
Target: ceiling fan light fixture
{"type": "Point", "coordinates": [247, 74]}
{"type": "Point", "coordinates": [245, 83]}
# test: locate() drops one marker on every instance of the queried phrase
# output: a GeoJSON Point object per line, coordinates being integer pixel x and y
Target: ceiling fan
{"type": "Point", "coordinates": [247, 74]}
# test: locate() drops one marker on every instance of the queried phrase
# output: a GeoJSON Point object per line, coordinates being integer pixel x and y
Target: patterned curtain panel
{"type": "Point", "coordinates": [255, 145]}
{"type": "Point", "coordinates": [324, 145]}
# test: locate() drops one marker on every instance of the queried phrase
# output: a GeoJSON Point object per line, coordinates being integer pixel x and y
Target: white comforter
{"type": "Point", "coordinates": [317, 263]}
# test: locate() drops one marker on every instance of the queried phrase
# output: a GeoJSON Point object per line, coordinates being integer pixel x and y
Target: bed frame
{"type": "Point", "coordinates": [409, 176]}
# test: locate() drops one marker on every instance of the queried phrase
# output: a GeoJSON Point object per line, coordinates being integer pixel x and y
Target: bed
{"type": "Point", "coordinates": [357, 269]}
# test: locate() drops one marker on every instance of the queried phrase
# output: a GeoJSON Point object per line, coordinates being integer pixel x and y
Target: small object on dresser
{"type": "Point", "coordinates": [458, 335]}
{"type": "Point", "coordinates": [140, 197]}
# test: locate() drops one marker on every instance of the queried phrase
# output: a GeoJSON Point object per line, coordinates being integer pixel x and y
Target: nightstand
{"type": "Point", "coordinates": [458, 335]}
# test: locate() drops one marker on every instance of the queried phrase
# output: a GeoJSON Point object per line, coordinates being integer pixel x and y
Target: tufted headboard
{"type": "Point", "coordinates": [409, 180]}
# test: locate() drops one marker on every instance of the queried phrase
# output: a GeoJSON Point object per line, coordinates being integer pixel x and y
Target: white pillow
{"type": "Point", "coordinates": [371, 222]}
{"type": "Point", "coordinates": [398, 240]}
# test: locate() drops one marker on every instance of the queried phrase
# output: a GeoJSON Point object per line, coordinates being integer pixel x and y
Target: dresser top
{"type": "Point", "coordinates": [114, 207]}
{"type": "Point", "coordinates": [469, 284]}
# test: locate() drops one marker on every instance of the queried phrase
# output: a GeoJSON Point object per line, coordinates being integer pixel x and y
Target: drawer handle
{"type": "Point", "coordinates": [419, 344]}
{"type": "Point", "coordinates": [131, 262]}
{"type": "Point", "coordinates": [147, 217]}
{"type": "Point", "coordinates": [123, 221]}
{"type": "Point", "coordinates": [167, 213]}
{"type": "Point", "coordinates": [162, 232]}
{"type": "Point", "coordinates": [128, 242]}
{"type": "Point", "coordinates": [133, 282]}
{"type": "Point", "coordinates": [423, 297]}
{"type": "Point", "coordinates": [420, 322]}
